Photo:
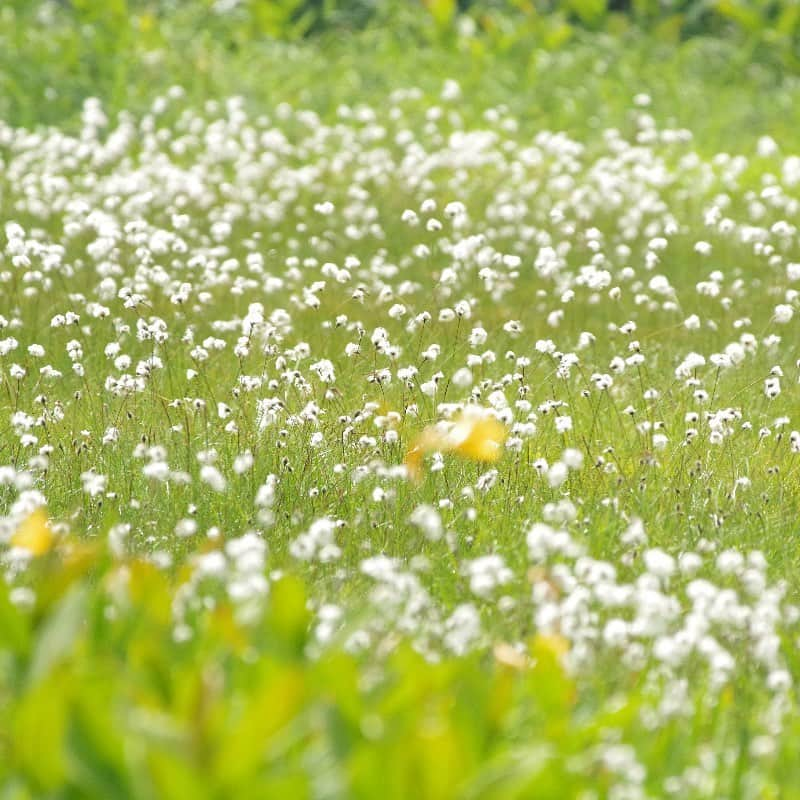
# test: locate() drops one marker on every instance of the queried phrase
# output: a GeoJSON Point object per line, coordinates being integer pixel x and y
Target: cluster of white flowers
{"type": "Point", "coordinates": [230, 326]}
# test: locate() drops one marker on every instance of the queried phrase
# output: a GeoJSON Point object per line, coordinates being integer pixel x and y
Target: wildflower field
{"type": "Point", "coordinates": [381, 420]}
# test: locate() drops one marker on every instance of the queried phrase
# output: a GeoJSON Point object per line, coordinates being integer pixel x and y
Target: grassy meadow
{"type": "Point", "coordinates": [405, 412]}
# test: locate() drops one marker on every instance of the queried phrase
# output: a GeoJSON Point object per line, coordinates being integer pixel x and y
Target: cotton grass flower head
{"type": "Point", "coordinates": [474, 434]}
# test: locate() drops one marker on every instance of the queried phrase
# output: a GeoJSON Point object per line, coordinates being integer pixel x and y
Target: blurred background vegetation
{"type": "Point", "coordinates": [55, 53]}
{"type": "Point", "coordinates": [772, 22]}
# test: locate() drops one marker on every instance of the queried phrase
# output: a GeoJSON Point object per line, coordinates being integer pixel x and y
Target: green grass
{"type": "Point", "coordinates": [136, 662]}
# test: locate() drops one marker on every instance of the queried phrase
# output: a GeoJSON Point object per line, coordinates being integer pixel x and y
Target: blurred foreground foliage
{"type": "Point", "coordinates": [99, 700]}
{"type": "Point", "coordinates": [108, 705]}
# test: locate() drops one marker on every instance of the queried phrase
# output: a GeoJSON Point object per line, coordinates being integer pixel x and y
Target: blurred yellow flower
{"type": "Point", "coordinates": [34, 533]}
{"type": "Point", "coordinates": [473, 434]}
{"type": "Point", "coordinates": [554, 645]}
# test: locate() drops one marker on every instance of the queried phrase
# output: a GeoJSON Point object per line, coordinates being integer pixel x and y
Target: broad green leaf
{"type": "Point", "coordinates": [15, 635]}
{"type": "Point", "coordinates": [288, 618]}
{"type": "Point", "coordinates": [38, 729]}
{"type": "Point", "coordinates": [264, 712]}
{"type": "Point", "coordinates": [589, 12]}
{"type": "Point", "coordinates": [740, 13]}
{"type": "Point", "coordinates": [176, 778]}
{"type": "Point", "coordinates": [442, 11]}
{"type": "Point", "coordinates": [56, 638]}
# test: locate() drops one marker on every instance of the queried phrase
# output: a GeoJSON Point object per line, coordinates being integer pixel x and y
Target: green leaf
{"type": "Point", "coordinates": [589, 12]}
{"type": "Point", "coordinates": [745, 17]}
{"type": "Point", "coordinates": [442, 11]}
{"type": "Point", "coordinates": [288, 618]}
{"type": "Point", "coordinates": [39, 725]}
{"type": "Point", "coordinates": [95, 742]}
{"type": "Point", "coordinates": [266, 710]}
{"type": "Point", "coordinates": [509, 773]}
{"type": "Point", "coordinates": [14, 625]}
{"type": "Point", "coordinates": [788, 20]}
{"type": "Point", "coordinates": [58, 634]}
{"type": "Point", "coordinates": [175, 778]}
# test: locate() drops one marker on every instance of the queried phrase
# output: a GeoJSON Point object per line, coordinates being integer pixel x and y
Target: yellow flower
{"type": "Point", "coordinates": [473, 434]}
{"type": "Point", "coordinates": [553, 645]}
{"type": "Point", "coordinates": [34, 533]}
